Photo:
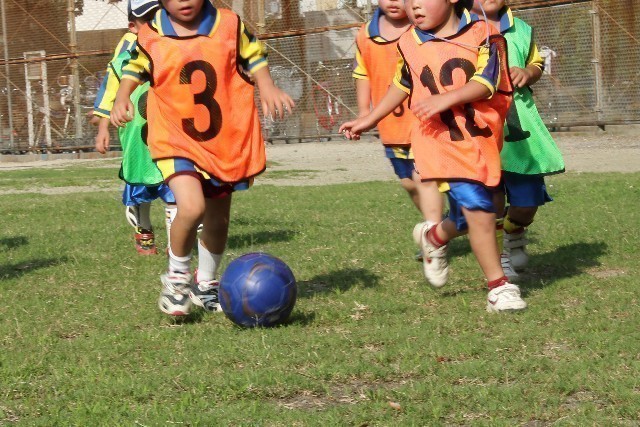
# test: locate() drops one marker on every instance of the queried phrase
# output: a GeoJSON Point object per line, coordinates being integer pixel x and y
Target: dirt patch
{"type": "Point", "coordinates": [342, 161]}
{"type": "Point", "coordinates": [606, 274]}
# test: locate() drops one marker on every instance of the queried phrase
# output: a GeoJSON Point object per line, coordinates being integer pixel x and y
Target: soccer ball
{"type": "Point", "coordinates": [257, 289]}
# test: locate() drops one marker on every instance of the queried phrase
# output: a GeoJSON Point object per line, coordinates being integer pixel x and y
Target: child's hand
{"type": "Point", "coordinates": [122, 112]}
{"type": "Point", "coordinates": [275, 101]}
{"type": "Point", "coordinates": [102, 138]}
{"type": "Point", "coordinates": [354, 128]}
{"type": "Point", "coordinates": [520, 77]}
{"type": "Point", "coordinates": [431, 106]}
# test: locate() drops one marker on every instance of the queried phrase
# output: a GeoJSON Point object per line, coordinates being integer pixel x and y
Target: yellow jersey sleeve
{"type": "Point", "coordinates": [110, 83]}
{"type": "Point", "coordinates": [138, 67]}
{"type": "Point", "coordinates": [535, 58]}
{"type": "Point", "coordinates": [488, 68]}
{"type": "Point", "coordinates": [359, 68]}
{"type": "Point", "coordinates": [402, 78]}
{"type": "Point", "coordinates": [253, 53]}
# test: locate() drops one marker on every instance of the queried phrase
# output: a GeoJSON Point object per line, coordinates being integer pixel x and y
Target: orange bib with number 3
{"type": "Point", "coordinates": [464, 142]}
{"type": "Point", "coordinates": [200, 105]}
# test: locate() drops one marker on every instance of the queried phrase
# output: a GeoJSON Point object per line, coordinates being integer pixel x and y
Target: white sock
{"type": "Point", "coordinates": [170, 212]}
{"type": "Point", "coordinates": [179, 263]}
{"type": "Point", "coordinates": [208, 263]}
{"type": "Point", "coordinates": [144, 216]}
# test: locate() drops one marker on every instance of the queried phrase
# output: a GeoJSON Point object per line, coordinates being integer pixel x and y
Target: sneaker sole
{"type": "Point", "coordinates": [492, 309]}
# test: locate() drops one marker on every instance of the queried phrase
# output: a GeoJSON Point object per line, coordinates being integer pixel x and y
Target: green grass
{"type": "Point", "coordinates": [83, 342]}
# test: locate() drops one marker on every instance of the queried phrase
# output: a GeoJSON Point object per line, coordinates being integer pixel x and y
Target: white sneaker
{"type": "Point", "coordinates": [508, 269]}
{"type": "Point", "coordinates": [174, 297]}
{"type": "Point", "coordinates": [434, 264]}
{"type": "Point", "coordinates": [505, 298]}
{"type": "Point", "coordinates": [516, 243]}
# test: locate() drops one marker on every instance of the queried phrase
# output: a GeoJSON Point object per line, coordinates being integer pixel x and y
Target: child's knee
{"type": "Point", "coordinates": [191, 212]}
{"type": "Point", "coordinates": [409, 185]}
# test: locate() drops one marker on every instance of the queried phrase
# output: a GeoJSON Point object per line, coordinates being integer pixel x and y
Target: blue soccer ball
{"type": "Point", "coordinates": [257, 289]}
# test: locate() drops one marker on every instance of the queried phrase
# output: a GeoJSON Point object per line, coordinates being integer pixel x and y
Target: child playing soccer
{"type": "Point", "coordinates": [375, 65]}
{"type": "Point", "coordinates": [204, 130]}
{"type": "Point", "coordinates": [143, 180]}
{"type": "Point", "coordinates": [529, 152]}
{"type": "Point", "coordinates": [450, 66]}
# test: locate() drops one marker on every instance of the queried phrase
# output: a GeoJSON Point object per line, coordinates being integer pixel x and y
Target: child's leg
{"type": "Point", "coordinates": [430, 200]}
{"type": "Point", "coordinates": [174, 297]}
{"type": "Point", "coordinates": [525, 194]}
{"type": "Point", "coordinates": [144, 216]}
{"type": "Point", "coordinates": [170, 211]}
{"type": "Point", "coordinates": [505, 260]}
{"type": "Point", "coordinates": [482, 236]}
{"type": "Point", "coordinates": [213, 240]}
{"type": "Point", "coordinates": [190, 202]}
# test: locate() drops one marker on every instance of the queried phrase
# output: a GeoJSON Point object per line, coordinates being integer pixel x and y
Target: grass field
{"type": "Point", "coordinates": [369, 343]}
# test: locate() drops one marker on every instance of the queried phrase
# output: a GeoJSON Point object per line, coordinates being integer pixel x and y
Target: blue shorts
{"type": "Point", "coordinates": [525, 191]}
{"type": "Point", "coordinates": [211, 187]}
{"type": "Point", "coordinates": [403, 167]}
{"type": "Point", "coordinates": [133, 195]}
{"type": "Point", "coordinates": [401, 159]}
{"type": "Point", "coordinates": [469, 196]}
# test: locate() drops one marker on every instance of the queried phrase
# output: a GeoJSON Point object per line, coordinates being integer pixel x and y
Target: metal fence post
{"type": "Point", "coordinates": [73, 47]}
{"type": "Point", "coordinates": [595, 16]}
{"type": "Point", "coordinates": [6, 72]}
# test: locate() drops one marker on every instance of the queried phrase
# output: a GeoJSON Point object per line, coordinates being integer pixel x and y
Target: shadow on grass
{"type": "Point", "coordinates": [566, 261]}
{"type": "Point", "coordinates": [12, 271]}
{"type": "Point", "coordinates": [340, 280]}
{"type": "Point", "coordinates": [458, 247]}
{"type": "Point", "coordinates": [300, 318]}
{"type": "Point", "coordinates": [259, 238]}
{"type": "Point", "coordinates": [13, 242]}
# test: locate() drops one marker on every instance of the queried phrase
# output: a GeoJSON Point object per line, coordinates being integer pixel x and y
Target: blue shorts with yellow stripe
{"type": "Point", "coordinates": [134, 195]}
{"type": "Point", "coordinates": [401, 159]}
{"type": "Point", "coordinates": [525, 191]}
{"type": "Point", "coordinates": [466, 195]}
{"type": "Point", "coordinates": [211, 187]}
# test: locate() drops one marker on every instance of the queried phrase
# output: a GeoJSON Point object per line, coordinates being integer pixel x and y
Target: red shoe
{"type": "Point", "coordinates": [145, 242]}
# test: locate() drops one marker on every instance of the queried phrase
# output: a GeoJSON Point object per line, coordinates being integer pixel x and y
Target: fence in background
{"type": "Point", "coordinates": [54, 53]}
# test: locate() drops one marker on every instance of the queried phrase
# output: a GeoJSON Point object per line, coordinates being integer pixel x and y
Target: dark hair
{"type": "Point", "coordinates": [144, 18]}
{"type": "Point", "coordinates": [463, 4]}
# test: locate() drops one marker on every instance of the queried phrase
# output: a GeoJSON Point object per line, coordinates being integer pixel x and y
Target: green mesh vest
{"type": "Point", "coordinates": [137, 167]}
{"type": "Point", "coordinates": [528, 147]}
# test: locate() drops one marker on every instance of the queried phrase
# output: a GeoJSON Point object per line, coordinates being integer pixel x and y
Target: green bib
{"type": "Point", "coordinates": [528, 147]}
{"type": "Point", "coordinates": [137, 167]}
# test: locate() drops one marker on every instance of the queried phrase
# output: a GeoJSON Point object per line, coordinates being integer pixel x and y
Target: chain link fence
{"type": "Point", "coordinates": [55, 53]}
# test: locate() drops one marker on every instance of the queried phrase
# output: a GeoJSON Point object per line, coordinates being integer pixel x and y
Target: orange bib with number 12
{"type": "Point", "coordinates": [464, 142]}
{"type": "Point", "coordinates": [200, 105]}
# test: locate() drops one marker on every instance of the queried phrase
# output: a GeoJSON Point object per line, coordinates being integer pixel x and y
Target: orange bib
{"type": "Point", "coordinates": [464, 142]}
{"type": "Point", "coordinates": [381, 59]}
{"type": "Point", "coordinates": [200, 107]}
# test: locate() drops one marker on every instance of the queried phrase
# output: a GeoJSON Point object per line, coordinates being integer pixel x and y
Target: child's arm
{"type": "Point", "coordinates": [274, 100]}
{"type": "Point", "coordinates": [393, 98]}
{"type": "Point", "coordinates": [134, 72]}
{"type": "Point", "coordinates": [528, 76]}
{"type": "Point", "coordinates": [253, 58]}
{"type": "Point", "coordinates": [363, 95]}
{"type": "Point", "coordinates": [363, 84]}
{"type": "Point", "coordinates": [435, 104]}
{"type": "Point", "coordinates": [123, 109]}
{"type": "Point", "coordinates": [102, 138]}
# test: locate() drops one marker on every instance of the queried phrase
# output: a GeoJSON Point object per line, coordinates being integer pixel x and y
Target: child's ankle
{"type": "Point", "coordinates": [434, 238]}
{"type": "Point", "coordinates": [492, 284]}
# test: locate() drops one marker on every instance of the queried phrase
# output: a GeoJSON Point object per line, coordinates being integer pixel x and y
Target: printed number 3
{"type": "Point", "coordinates": [428, 80]}
{"type": "Point", "coordinates": [142, 110]}
{"type": "Point", "coordinates": [204, 98]}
